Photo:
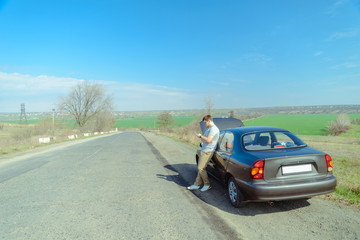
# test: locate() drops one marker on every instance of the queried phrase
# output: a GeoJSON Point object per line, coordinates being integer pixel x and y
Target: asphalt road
{"type": "Point", "coordinates": [131, 185]}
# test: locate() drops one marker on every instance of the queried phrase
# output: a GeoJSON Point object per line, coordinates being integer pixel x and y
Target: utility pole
{"type": "Point", "coordinates": [23, 114]}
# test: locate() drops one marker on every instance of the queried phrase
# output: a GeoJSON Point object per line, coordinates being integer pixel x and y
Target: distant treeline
{"type": "Point", "coordinates": [244, 113]}
{"type": "Point", "coordinates": [320, 109]}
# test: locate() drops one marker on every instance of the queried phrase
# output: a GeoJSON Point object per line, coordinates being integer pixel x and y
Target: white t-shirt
{"type": "Point", "coordinates": [210, 147]}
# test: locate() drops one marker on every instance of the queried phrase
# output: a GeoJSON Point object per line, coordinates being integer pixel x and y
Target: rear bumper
{"type": "Point", "coordinates": [281, 190]}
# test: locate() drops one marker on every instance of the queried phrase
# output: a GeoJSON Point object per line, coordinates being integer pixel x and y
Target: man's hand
{"type": "Point", "coordinates": [207, 139]}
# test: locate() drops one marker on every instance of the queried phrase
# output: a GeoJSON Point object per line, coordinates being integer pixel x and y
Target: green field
{"type": "Point", "coordinates": [300, 124]}
{"type": "Point", "coordinates": [32, 121]}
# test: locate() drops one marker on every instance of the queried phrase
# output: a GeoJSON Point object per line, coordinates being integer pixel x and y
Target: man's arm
{"type": "Point", "coordinates": [207, 139]}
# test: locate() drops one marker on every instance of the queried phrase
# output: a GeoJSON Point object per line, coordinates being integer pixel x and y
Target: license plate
{"type": "Point", "coordinates": [296, 169]}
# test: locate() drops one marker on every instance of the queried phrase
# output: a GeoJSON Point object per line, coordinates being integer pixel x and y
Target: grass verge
{"type": "Point", "coordinates": [347, 172]}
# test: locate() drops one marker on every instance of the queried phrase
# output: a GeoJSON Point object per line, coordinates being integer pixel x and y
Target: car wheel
{"type": "Point", "coordinates": [235, 195]}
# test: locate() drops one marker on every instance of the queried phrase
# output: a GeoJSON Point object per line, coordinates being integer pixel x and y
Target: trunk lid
{"type": "Point", "coordinates": [293, 164]}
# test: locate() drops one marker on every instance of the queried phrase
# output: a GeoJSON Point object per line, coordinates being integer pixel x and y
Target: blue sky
{"type": "Point", "coordinates": [170, 55]}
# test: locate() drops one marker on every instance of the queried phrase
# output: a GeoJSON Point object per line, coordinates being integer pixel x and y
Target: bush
{"type": "Point", "coordinates": [188, 133]}
{"type": "Point", "coordinates": [342, 124]}
{"type": "Point", "coordinates": [104, 121]}
{"type": "Point", "coordinates": [357, 121]}
{"type": "Point", "coordinates": [42, 128]}
{"type": "Point", "coordinates": [22, 134]}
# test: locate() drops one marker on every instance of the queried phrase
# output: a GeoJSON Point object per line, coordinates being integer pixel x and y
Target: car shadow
{"type": "Point", "coordinates": [185, 174]}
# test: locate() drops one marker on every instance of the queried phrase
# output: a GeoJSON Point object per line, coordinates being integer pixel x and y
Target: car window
{"type": "Point", "coordinates": [226, 142]}
{"type": "Point", "coordinates": [221, 136]}
{"type": "Point", "coordinates": [271, 140]}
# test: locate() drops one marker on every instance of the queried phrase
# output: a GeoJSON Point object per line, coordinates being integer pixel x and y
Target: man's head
{"type": "Point", "coordinates": [208, 121]}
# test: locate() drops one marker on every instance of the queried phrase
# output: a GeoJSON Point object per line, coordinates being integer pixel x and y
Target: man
{"type": "Point", "coordinates": [209, 141]}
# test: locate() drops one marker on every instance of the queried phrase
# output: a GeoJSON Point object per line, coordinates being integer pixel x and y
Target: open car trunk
{"type": "Point", "coordinates": [224, 123]}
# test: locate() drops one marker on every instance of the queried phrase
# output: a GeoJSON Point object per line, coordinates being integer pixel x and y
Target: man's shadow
{"type": "Point", "coordinates": [185, 174]}
{"type": "Point", "coordinates": [178, 177]}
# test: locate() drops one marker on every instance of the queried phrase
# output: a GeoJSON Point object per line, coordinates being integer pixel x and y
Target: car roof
{"type": "Point", "coordinates": [224, 123]}
{"type": "Point", "coordinates": [244, 130]}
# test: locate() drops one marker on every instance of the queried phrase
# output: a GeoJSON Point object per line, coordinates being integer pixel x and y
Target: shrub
{"type": "Point", "coordinates": [22, 134]}
{"type": "Point", "coordinates": [357, 121]}
{"type": "Point", "coordinates": [42, 127]}
{"type": "Point", "coordinates": [188, 133]}
{"type": "Point", "coordinates": [342, 124]}
{"type": "Point", "coordinates": [104, 121]}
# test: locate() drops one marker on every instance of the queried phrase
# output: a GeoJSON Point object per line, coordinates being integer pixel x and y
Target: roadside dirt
{"type": "Point", "coordinates": [315, 218]}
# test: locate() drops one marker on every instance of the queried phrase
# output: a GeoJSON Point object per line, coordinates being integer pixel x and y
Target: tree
{"type": "Point", "coordinates": [231, 114]}
{"type": "Point", "coordinates": [208, 105]}
{"type": "Point", "coordinates": [165, 119]}
{"type": "Point", "coordinates": [85, 101]}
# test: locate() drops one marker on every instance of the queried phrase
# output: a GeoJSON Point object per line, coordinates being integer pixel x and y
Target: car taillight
{"type": "Point", "coordinates": [257, 169]}
{"type": "Point", "coordinates": [329, 163]}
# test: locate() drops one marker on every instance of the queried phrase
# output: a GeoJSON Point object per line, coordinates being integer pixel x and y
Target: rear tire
{"type": "Point", "coordinates": [234, 193]}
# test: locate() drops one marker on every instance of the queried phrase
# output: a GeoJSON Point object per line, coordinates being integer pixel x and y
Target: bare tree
{"type": "Point", "coordinates": [85, 101]}
{"type": "Point", "coordinates": [232, 114]}
{"type": "Point", "coordinates": [165, 119]}
{"type": "Point", "coordinates": [208, 105]}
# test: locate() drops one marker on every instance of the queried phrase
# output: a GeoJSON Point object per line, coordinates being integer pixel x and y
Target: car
{"type": "Point", "coordinates": [267, 164]}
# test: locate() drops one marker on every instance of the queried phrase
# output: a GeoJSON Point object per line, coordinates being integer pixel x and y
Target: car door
{"type": "Point", "coordinates": [223, 152]}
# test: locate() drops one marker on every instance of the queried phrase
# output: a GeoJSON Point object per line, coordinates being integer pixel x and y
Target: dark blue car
{"type": "Point", "coordinates": [268, 164]}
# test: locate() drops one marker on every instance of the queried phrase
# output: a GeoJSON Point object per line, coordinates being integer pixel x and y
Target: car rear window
{"type": "Point", "coordinates": [269, 140]}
